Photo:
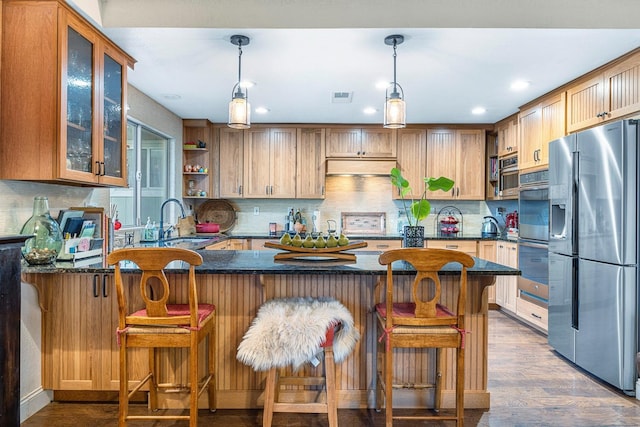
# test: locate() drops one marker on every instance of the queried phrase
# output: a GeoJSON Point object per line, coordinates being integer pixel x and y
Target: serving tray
{"type": "Point", "coordinates": [298, 252]}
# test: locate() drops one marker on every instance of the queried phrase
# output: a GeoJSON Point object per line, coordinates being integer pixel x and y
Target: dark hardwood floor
{"type": "Point", "coordinates": [530, 385]}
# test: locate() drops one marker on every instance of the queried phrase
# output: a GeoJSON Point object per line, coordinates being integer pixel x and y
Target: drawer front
{"type": "Point", "coordinates": [381, 245]}
{"type": "Point", "coordinates": [466, 246]}
{"type": "Point", "coordinates": [532, 313]}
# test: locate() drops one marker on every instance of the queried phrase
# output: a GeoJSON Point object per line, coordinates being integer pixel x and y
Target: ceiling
{"type": "Point", "coordinates": [449, 63]}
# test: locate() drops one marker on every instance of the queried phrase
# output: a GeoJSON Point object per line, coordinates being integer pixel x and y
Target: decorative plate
{"type": "Point", "coordinates": [217, 211]}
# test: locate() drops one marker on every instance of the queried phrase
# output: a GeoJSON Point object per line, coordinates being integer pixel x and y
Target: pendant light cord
{"type": "Point", "coordinates": [395, 88]}
{"type": "Point", "coordinates": [239, 61]}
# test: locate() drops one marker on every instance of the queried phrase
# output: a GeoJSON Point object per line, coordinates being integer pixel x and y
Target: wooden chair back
{"type": "Point", "coordinates": [427, 264]}
{"type": "Point", "coordinates": [154, 287]}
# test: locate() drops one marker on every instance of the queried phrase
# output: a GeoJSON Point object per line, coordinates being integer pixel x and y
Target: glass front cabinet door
{"type": "Point", "coordinates": [93, 91]}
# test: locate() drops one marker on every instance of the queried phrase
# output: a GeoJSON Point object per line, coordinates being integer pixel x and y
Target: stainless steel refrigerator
{"type": "Point", "coordinates": [593, 251]}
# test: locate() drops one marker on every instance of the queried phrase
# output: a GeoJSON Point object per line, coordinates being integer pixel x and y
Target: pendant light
{"type": "Point", "coordinates": [239, 108]}
{"type": "Point", "coordinates": [394, 106]}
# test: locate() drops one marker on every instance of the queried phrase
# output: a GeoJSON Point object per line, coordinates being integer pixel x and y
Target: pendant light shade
{"type": "Point", "coordinates": [394, 106]}
{"type": "Point", "coordinates": [239, 107]}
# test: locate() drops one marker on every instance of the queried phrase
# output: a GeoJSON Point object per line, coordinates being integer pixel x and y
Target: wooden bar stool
{"type": "Point", "coordinates": [159, 324]}
{"type": "Point", "coordinates": [421, 321]}
{"type": "Point", "coordinates": [291, 332]}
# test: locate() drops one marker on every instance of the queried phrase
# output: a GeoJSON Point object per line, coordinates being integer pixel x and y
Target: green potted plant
{"type": "Point", "coordinates": [417, 209]}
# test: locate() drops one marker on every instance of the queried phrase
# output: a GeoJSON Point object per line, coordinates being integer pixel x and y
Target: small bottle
{"type": "Point", "coordinates": [148, 230]}
{"type": "Point", "coordinates": [291, 220]}
{"type": "Point", "coordinates": [155, 232]}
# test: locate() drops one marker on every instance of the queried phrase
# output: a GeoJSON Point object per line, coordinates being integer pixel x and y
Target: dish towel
{"type": "Point", "coordinates": [291, 331]}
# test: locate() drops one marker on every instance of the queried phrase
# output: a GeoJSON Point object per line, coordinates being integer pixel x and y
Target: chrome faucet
{"type": "Point", "coordinates": [162, 215]}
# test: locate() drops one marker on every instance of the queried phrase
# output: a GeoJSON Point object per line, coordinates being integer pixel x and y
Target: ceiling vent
{"type": "Point", "coordinates": [341, 97]}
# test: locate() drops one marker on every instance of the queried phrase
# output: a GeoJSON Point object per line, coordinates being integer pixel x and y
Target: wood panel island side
{"type": "Point", "coordinates": [80, 355]}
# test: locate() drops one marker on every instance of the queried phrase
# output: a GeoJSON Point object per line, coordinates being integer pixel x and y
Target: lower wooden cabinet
{"type": "Point", "coordinates": [487, 250]}
{"type": "Point", "coordinates": [80, 349]}
{"type": "Point", "coordinates": [230, 245]}
{"type": "Point", "coordinates": [507, 286]}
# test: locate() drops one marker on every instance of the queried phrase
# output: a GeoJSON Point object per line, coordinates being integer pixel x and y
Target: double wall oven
{"type": "Point", "coordinates": [533, 241]}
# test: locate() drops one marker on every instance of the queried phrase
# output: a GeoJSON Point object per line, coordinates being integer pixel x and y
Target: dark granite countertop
{"type": "Point", "coordinates": [262, 262]}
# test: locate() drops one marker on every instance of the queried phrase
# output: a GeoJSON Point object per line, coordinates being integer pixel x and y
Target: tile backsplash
{"type": "Point", "coordinates": [16, 203]}
{"type": "Point", "coordinates": [343, 194]}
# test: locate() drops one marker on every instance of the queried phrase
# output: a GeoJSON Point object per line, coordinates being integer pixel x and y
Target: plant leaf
{"type": "Point", "coordinates": [398, 180]}
{"type": "Point", "coordinates": [442, 183]}
{"type": "Point", "coordinates": [420, 210]}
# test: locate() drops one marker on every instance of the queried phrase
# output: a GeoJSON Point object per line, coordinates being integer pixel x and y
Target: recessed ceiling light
{"type": "Point", "coordinates": [370, 110]}
{"type": "Point", "coordinates": [247, 84]}
{"type": "Point", "coordinates": [262, 110]}
{"type": "Point", "coordinates": [382, 85]}
{"type": "Point", "coordinates": [520, 85]}
{"type": "Point", "coordinates": [478, 110]}
{"type": "Point", "coordinates": [171, 96]}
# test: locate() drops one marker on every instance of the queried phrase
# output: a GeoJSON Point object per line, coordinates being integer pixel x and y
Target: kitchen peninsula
{"type": "Point", "coordinates": [80, 317]}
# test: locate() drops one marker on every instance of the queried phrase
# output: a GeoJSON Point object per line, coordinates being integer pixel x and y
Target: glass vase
{"type": "Point", "coordinates": [413, 236]}
{"type": "Point", "coordinates": [46, 243]}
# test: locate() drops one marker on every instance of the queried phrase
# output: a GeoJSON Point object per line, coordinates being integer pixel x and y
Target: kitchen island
{"type": "Point", "coordinates": [80, 317]}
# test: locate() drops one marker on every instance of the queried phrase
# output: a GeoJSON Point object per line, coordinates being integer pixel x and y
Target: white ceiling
{"type": "Point", "coordinates": [445, 72]}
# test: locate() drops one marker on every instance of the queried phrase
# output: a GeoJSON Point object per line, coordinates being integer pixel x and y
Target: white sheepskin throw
{"type": "Point", "coordinates": [290, 331]}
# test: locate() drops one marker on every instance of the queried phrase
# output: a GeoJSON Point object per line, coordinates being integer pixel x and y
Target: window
{"type": "Point", "coordinates": [150, 157]}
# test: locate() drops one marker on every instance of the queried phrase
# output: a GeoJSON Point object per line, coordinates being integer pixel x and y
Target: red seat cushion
{"type": "Point", "coordinates": [331, 331]}
{"type": "Point", "coordinates": [408, 309]}
{"type": "Point", "coordinates": [204, 310]}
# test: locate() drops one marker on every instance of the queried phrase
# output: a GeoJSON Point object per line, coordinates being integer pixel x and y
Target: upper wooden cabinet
{"type": "Point", "coordinates": [412, 156]}
{"type": "Point", "coordinates": [368, 143]}
{"type": "Point", "coordinates": [507, 136]}
{"type": "Point", "coordinates": [231, 155]}
{"type": "Point", "coordinates": [270, 163]}
{"type": "Point", "coordinates": [539, 125]}
{"type": "Point", "coordinates": [63, 88]}
{"type": "Point", "coordinates": [310, 164]}
{"type": "Point", "coordinates": [458, 155]}
{"type": "Point", "coordinates": [606, 95]}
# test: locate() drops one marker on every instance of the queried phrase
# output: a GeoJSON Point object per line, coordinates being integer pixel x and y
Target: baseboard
{"type": "Point", "coordinates": [33, 402]}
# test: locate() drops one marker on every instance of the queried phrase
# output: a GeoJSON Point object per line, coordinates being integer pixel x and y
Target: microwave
{"type": "Point", "coordinates": [508, 179]}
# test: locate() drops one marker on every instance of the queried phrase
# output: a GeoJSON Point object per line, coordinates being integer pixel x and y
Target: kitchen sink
{"type": "Point", "coordinates": [186, 242]}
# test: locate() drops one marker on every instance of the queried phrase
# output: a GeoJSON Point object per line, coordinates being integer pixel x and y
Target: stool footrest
{"type": "Point", "coordinates": [157, 417]}
{"type": "Point", "coordinates": [414, 386]}
{"type": "Point", "coordinates": [302, 381]}
{"type": "Point", "coordinates": [425, 417]}
{"type": "Point", "coordinates": [308, 408]}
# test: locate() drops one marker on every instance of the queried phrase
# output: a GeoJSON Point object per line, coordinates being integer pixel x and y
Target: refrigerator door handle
{"type": "Point", "coordinates": [575, 306]}
{"type": "Point", "coordinates": [575, 185]}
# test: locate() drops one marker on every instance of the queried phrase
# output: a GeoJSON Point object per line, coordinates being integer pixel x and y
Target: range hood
{"type": "Point", "coordinates": [360, 166]}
